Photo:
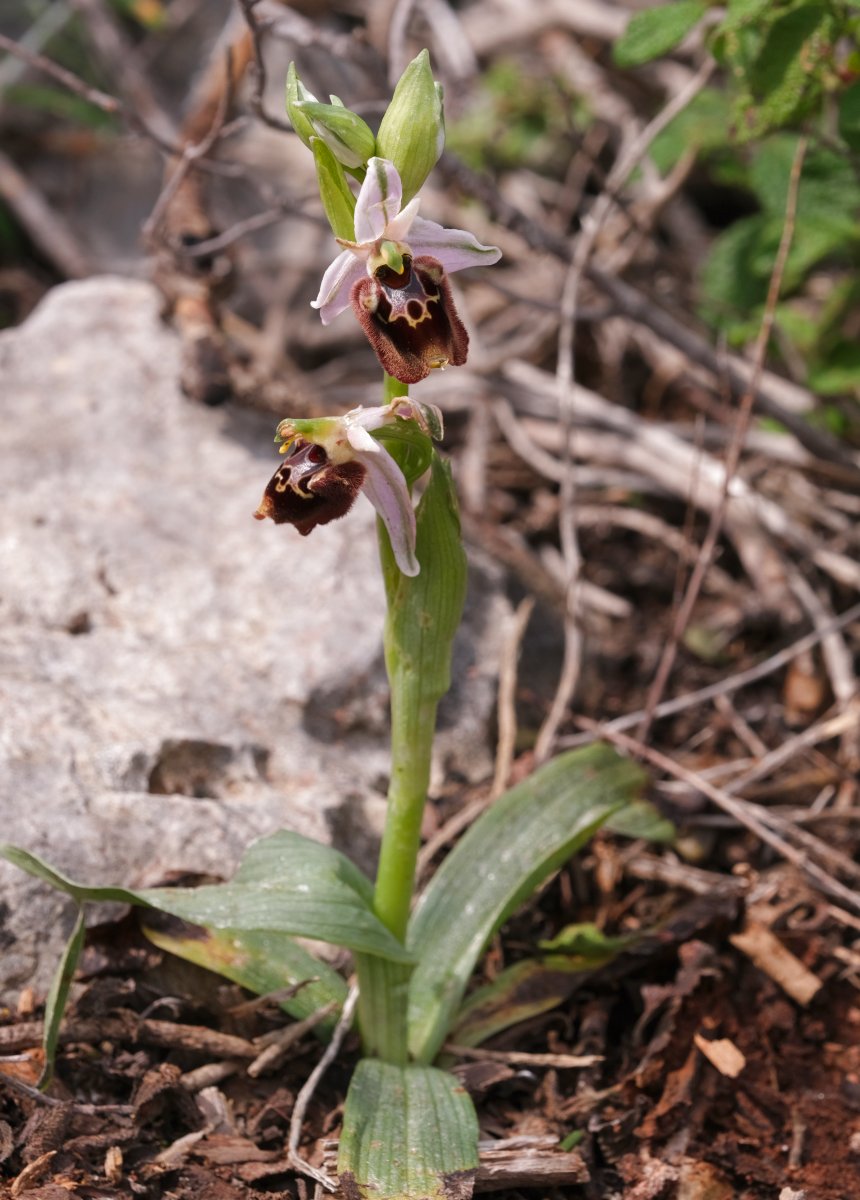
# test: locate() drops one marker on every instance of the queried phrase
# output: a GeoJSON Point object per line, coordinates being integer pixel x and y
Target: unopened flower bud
{"type": "Point", "coordinates": [349, 138]}
{"type": "Point", "coordinates": [412, 132]}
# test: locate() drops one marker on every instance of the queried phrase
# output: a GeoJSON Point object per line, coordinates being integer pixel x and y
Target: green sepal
{"type": "Point", "coordinates": [412, 132]}
{"type": "Point", "coordinates": [349, 138]}
{"type": "Point", "coordinates": [297, 93]}
{"type": "Point", "coordinates": [337, 200]}
{"type": "Point", "coordinates": [409, 1133]}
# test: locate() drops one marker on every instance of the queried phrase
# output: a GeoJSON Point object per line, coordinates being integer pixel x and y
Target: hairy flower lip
{"type": "Point", "coordinates": [411, 321]}
{"type": "Point", "coordinates": [379, 218]}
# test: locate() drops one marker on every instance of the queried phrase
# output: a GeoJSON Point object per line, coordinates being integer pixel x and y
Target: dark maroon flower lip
{"type": "Point", "coordinates": [410, 319]}
{"type": "Point", "coordinates": [308, 490]}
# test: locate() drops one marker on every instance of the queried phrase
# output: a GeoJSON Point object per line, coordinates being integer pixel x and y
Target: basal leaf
{"type": "Point", "coordinates": [409, 1133]}
{"type": "Point", "coordinates": [536, 985]}
{"type": "Point", "coordinates": [262, 962]}
{"type": "Point", "coordinates": [526, 835]}
{"type": "Point", "coordinates": [655, 31]}
{"type": "Point", "coordinates": [35, 866]}
{"type": "Point", "coordinates": [286, 883]}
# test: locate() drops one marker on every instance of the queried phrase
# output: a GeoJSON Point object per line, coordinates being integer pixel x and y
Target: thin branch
{"type": "Point", "coordinates": [257, 29]}
{"type": "Point", "coordinates": [751, 816]}
{"type": "Point", "coordinates": [310, 1086]}
{"type": "Point", "coordinates": [507, 696]}
{"type": "Point", "coordinates": [45, 226]}
{"type": "Point", "coordinates": [733, 683]}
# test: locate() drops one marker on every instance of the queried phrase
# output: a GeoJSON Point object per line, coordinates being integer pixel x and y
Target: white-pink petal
{"type": "Point", "coordinates": [378, 200]}
{"type": "Point", "coordinates": [385, 487]}
{"type": "Point", "coordinates": [455, 249]}
{"type": "Point", "coordinates": [397, 229]}
{"type": "Point", "coordinates": [337, 283]}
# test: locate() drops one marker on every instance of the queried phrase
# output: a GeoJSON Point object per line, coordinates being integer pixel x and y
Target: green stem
{"type": "Point", "coordinates": [413, 724]}
{"type": "Point", "coordinates": [392, 388]}
{"type": "Point", "coordinates": [412, 727]}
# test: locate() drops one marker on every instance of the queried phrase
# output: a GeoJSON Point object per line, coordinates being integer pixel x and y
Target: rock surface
{"type": "Point", "coordinates": [175, 678]}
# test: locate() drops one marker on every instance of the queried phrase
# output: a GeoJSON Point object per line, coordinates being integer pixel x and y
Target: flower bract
{"type": "Point", "coordinates": [395, 276]}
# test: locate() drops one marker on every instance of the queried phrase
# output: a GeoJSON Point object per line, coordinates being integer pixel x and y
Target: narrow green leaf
{"type": "Point", "coordinates": [79, 891]}
{"type": "Point", "coordinates": [655, 31]}
{"type": "Point", "coordinates": [262, 962]}
{"type": "Point", "coordinates": [520, 992]}
{"type": "Point", "coordinates": [409, 1133]}
{"type": "Point", "coordinates": [55, 1004]}
{"type": "Point", "coordinates": [526, 835]}
{"type": "Point", "coordinates": [641, 820]}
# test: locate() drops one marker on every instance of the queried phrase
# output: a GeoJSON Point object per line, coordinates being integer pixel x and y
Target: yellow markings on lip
{"type": "Point", "coordinates": [405, 315]}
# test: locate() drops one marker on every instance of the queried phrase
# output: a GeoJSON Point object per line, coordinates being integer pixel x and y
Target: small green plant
{"type": "Point", "coordinates": [409, 1128]}
{"type": "Point", "coordinates": [791, 69]}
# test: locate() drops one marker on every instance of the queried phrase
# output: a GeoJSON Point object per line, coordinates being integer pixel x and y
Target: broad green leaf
{"type": "Point", "coordinates": [409, 1133]}
{"type": "Point", "coordinates": [787, 75]}
{"type": "Point", "coordinates": [55, 1004]}
{"type": "Point", "coordinates": [655, 31]}
{"type": "Point", "coordinates": [509, 851]}
{"type": "Point", "coordinates": [261, 962]}
{"type": "Point", "coordinates": [286, 883]}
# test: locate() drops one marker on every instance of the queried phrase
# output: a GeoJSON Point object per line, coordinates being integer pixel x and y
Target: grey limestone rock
{"type": "Point", "coordinates": [175, 678]}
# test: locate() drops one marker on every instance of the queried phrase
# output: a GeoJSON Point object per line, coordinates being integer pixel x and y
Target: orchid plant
{"type": "Point", "coordinates": [409, 1129]}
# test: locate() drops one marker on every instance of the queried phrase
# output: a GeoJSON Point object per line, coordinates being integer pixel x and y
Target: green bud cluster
{"type": "Point", "coordinates": [411, 136]}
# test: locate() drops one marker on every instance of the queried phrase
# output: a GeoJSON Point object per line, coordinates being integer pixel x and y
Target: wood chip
{"type": "Point", "coordinates": [723, 1054]}
{"type": "Point", "coordinates": [783, 967]}
{"type": "Point", "coordinates": [32, 1174]}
